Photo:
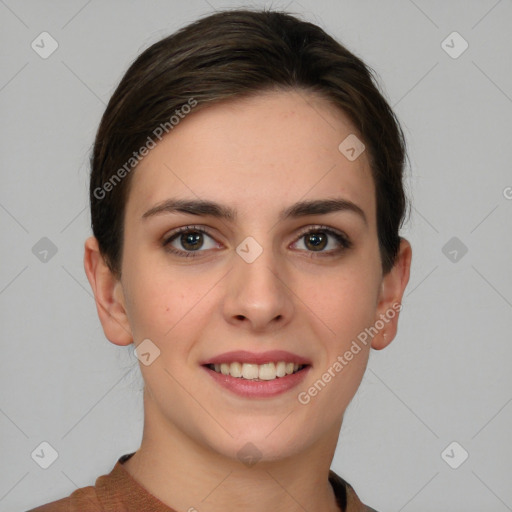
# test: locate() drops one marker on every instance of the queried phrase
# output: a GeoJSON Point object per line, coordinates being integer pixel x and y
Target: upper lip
{"type": "Point", "coordinates": [243, 356]}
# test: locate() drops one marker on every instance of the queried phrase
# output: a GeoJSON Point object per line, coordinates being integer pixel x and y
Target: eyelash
{"type": "Point", "coordinates": [341, 238]}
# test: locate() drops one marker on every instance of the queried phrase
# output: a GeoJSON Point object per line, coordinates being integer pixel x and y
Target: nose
{"type": "Point", "coordinates": [258, 294]}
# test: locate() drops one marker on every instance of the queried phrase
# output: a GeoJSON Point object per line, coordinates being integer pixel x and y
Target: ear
{"type": "Point", "coordinates": [108, 294]}
{"type": "Point", "coordinates": [390, 296]}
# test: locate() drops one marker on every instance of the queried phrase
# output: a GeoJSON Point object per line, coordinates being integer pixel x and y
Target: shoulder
{"type": "Point", "coordinates": [110, 493]}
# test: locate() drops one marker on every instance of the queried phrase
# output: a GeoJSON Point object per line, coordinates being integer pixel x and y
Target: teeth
{"type": "Point", "coordinates": [267, 371]}
{"type": "Point", "coordinates": [281, 369]}
{"type": "Point", "coordinates": [249, 371]}
{"type": "Point", "coordinates": [235, 369]}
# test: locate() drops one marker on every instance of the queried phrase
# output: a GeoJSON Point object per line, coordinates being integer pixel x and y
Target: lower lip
{"type": "Point", "coordinates": [259, 389]}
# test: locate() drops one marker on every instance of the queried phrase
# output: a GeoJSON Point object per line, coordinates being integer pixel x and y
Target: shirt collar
{"type": "Point", "coordinates": [120, 485]}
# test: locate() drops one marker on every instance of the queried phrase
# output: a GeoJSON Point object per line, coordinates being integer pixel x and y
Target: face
{"type": "Point", "coordinates": [307, 283]}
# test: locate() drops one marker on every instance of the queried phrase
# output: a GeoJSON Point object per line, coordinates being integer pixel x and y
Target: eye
{"type": "Point", "coordinates": [190, 238]}
{"type": "Point", "coordinates": [317, 239]}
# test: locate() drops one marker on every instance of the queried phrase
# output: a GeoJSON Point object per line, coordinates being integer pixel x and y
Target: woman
{"type": "Point", "coordinates": [246, 199]}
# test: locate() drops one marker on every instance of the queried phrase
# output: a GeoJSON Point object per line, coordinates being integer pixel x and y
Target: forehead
{"type": "Point", "coordinates": [262, 152]}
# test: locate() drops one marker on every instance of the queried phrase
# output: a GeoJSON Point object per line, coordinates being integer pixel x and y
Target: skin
{"type": "Point", "coordinates": [257, 155]}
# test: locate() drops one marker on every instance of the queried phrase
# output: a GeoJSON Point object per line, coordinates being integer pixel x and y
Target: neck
{"type": "Point", "coordinates": [187, 475]}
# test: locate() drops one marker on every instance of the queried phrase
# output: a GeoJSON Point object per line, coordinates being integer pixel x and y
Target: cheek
{"type": "Point", "coordinates": [345, 302]}
{"type": "Point", "coordinates": [164, 304]}
{"type": "Point", "coordinates": [155, 303]}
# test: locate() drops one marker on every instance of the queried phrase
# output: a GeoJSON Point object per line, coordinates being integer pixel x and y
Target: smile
{"type": "Point", "coordinates": [257, 375]}
{"type": "Point", "coordinates": [257, 372]}
{"type": "Point", "coordinates": [249, 384]}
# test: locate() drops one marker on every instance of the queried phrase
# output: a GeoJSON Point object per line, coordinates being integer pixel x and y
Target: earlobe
{"type": "Point", "coordinates": [108, 294]}
{"type": "Point", "coordinates": [390, 299]}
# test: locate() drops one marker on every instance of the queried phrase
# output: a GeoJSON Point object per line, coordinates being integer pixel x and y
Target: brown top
{"type": "Point", "coordinates": [120, 492]}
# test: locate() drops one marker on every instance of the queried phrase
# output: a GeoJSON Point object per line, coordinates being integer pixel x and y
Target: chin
{"type": "Point", "coordinates": [259, 442]}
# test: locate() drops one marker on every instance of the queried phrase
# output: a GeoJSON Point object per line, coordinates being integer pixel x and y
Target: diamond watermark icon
{"type": "Point", "coordinates": [249, 249]}
{"type": "Point", "coordinates": [454, 45]}
{"type": "Point", "coordinates": [146, 352]}
{"type": "Point", "coordinates": [44, 455]}
{"type": "Point", "coordinates": [44, 45]}
{"type": "Point", "coordinates": [454, 455]}
{"type": "Point", "coordinates": [454, 250]}
{"type": "Point", "coordinates": [44, 250]}
{"type": "Point", "coordinates": [249, 454]}
{"type": "Point", "coordinates": [351, 147]}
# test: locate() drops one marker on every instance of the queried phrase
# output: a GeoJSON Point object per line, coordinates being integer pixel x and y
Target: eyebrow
{"type": "Point", "coordinates": [213, 209]}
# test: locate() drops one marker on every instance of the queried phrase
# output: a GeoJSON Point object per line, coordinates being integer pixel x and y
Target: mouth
{"type": "Point", "coordinates": [257, 372]}
{"type": "Point", "coordinates": [257, 375]}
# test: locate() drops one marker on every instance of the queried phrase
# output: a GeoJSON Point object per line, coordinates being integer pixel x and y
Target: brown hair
{"type": "Point", "coordinates": [231, 54]}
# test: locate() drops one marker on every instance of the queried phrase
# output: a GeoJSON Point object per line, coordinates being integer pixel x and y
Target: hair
{"type": "Point", "coordinates": [234, 54]}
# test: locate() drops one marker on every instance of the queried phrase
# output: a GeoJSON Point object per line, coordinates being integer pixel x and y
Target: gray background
{"type": "Point", "coordinates": [446, 377]}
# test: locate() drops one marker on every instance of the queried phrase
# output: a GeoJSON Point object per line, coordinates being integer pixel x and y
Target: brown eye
{"type": "Point", "coordinates": [316, 240]}
{"type": "Point", "coordinates": [188, 240]}
{"type": "Point", "coordinates": [191, 241]}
